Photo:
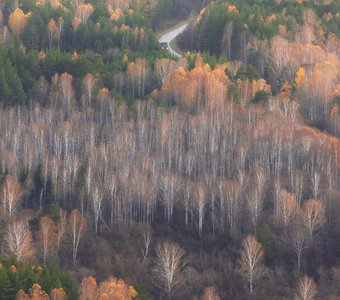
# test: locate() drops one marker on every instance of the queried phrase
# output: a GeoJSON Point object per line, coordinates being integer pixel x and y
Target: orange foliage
{"type": "Point", "coordinates": [232, 9]}
{"type": "Point", "coordinates": [74, 55]}
{"type": "Point", "coordinates": [282, 30]}
{"type": "Point", "coordinates": [54, 30]}
{"type": "Point", "coordinates": [52, 27]}
{"type": "Point", "coordinates": [75, 23]}
{"type": "Point", "coordinates": [204, 87]}
{"type": "Point", "coordinates": [322, 80]}
{"type": "Point", "coordinates": [201, 14]}
{"type": "Point", "coordinates": [286, 90]}
{"type": "Point", "coordinates": [34, 293]}
{"type": "Point", "coordinates": [317, 68]}
{"type": "Point", "coordinates": [42, 55]}
{"type": "Point", "coordinates": [116, 14]}
{"type": "Point", "coordinates": [300, 74]}
{"type": "Point", "coordinates": [17, 21]}
{"type": "Point", "coordinates": [104, 91]}
{"type": "Point", "coordinates": [21, 295]}
{"type": "Point", "coordinates": [199, 86]}
{"type": "Point", "coordinates": [84, 11]}
{"type": "Point", "coordinates": [270, 19]}
{"type": "Point", "coordinates": [88, 289]}
{"type": "Point", "coordinates": [111, 288]}
{"type": "Point", "coordinates": [58, 294]}
{"type": "Point", "coordinates": [117, 289]}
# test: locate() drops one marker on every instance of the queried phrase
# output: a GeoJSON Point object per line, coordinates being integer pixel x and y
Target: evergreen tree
{"type": "Point", "coordinates": [7, 291]}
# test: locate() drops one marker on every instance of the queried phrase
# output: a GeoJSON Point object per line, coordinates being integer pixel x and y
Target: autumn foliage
{"type": "Point", "coordinates": [111, 288]}
{"type": "Point", "coordinates": [117, 147]}
{"type": "Point", "coordinates": [17, 21]}
{"type": "Point", "coordinates": [203, 86]}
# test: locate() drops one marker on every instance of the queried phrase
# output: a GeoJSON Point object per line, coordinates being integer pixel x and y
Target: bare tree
{"type": "Point", "coordinates": [88, 84]}
{"type": "Point", "coordinates": [287, 208]}
{"type": "Point", "coordinates": [18, 241]}
{"type": "Point", "coordinates": [61, 227]}
{"type": "Point", "coordinates": [187, 188]}
{"type": "Point", "coordinates": [163, 67]}
{"type": "Point", "coordinates": [200, 200]}
{"type": "Point", "coordinates": [256, 196]}
{"type": "Point", "coordinates": [315, 184]}
{"type": "Point", "coordinates": [233, 192]}
{"type": "Point", "coordinates": [226, 39]}
{"type": "Point", "coordinates": [313, 215]}
{"type": "Point", "coordinates": [138, 74]}
{"type": "Point", "coordinates": [77, 227]}
{"type": "Point", "coordinates": [281, 55]}
{"type": "Point", "coordinates": [210, 293]}
{"type": "Point", "coordinates": [297, 185]}
{"type": "Point", "coordinates": [88, 289]}
{"type": "Point", "coordinates": [84, 11]}
{"type": "Point", "coordinates": [170, 184]}
{"type": "Point", "coordinates": [255, 206]}
{"type": "Point", "coordinates": [35, 292]}
{"type": "Point", "coordinates": [52, 32]}
{"type": "Point", "coordinates": [67, 89]}
{"type": "Point", "coordinates": [306, 289]}
{"type": "Point", "coordinates": [147, 237]}
{"type": "Point", "coordinates": [169, 265]}
{"type": "Point", "coordinates": [299, 245]}
{"type": "Point", "coordinates": [112, 186]}
{"type": "Point", "coordinates": [47, 235]}
{"type": "Point", "coordinates": [58, 294]}
{"type": "Point", "coordinates": [96, 202]}
{"type": "Point", "coordinates": [229, 192]}
{"type": "Point", "coordinates": [11, 193]}
{"type": "Point", "coordinates": [250, 264]}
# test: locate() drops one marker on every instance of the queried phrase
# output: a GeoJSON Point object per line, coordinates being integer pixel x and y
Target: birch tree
{"type": "Point", "coordinates": [169, 266]}
{"type": "Point", "coordinates": [200, 200]}
{"type": "Point", "coordinates": [299, 245]}
{"type": "Point", "coordinates": [250, 264]}
{"type": "Point", "coordinates": [287, 208]}
{"type": "Point", "coordinates": [306, 289]}
{"type": "Point", "coordinates": [313, 216]}
{"type": "Point", "coordinates": [18, 241]}
{"type": "Point", "coordinates": [77, 228]}
{"type": "Point", "coordinates": [96, 203]}
{"type": "Point", "coordinates": [47, 236]}
{"type": "Point", "coordinates": [170, 184]}
{"type": "Point", "coordinates": [10, 196]}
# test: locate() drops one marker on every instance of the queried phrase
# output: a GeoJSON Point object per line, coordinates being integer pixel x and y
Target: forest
{"type": "Point", "coordinates": [126, 173]}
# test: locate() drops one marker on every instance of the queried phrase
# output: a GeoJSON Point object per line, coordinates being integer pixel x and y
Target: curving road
{"type": "Point", "coordinates": [171, 35]}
